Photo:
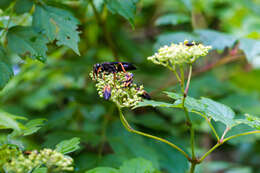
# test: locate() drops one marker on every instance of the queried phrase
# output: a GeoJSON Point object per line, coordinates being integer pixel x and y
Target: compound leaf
{"type": "Point", "coordinates": [57, 24]}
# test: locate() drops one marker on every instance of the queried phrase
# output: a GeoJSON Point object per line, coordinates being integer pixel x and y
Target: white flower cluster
{"type": "Point", "coordinates": [122, 95]}
{"type": "Point", "coordinates": [53, 160]}
{"type": "Point", "coordinates": [178, 54]}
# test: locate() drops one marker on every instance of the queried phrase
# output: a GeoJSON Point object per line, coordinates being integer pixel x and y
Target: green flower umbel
{"type": "Point", "coordinates": [119, 88]}
{"type": "Point", "coordinates": [53, 160]}
{"type": "Point", "coordinates": [179, 54]}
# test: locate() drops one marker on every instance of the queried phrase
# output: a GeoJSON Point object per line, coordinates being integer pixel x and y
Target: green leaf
{"type": "Point", "coordinates": [217, 40]}
{"type": "Point", "coordinates": [137, 165]}
{"type": "Point", "coordinates": [174, 37]}
{"type": "Point", "coordinates": [153, 104]}
{"type": "Point", "coordinates": [68, 146]}
{"type": "Point", "coordinates": [208, 107]}
{"type": "Point", "coordinates": [103, 170]}
{"type": "Point", "coordinates": [218, 111]}
{"type": "Point", "coordinates": [251, 48]}
{"type": "Point", "coordinates": [130, 145]}
{"type": "Point", "coordinates": [23, 6]}
{"type": "Point", "coordinates": [251, 121]}
{"type": "Point", "coordinates": [190, 103]}
{"type": "Point", "coordinates": [5, 3]}
{"type": "Point", "coordinates": [168, 156]}
{"type": "Point", "coordinates": [6, 71]}
{"type": "Point", "coordinates": [126, 8]}
{"type": "Point", "coordinates": [26, 41]}
{"type": "Point", "coordinates": [8, 121]}
{"type": "Point", "coordinates": [33, 126]}
{"type": "Point", "coordinates": [57, 24]}
{"type": "Point", "coordinates": [172, 19]}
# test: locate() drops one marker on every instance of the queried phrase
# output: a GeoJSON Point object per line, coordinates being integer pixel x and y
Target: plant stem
{"type": "Point", "coordinates": [241, 134]}
{"type": "Point", "coordinates": [103, 25]}
{"type": "Point", "coordinates": [182, 78]}
{"type": "Point", "coordinates": [130, 129]}
{"type": "Point", "coordinates": [225, 140]}
{"type": "Point", "coordinates": [188, 80]}
{"type": "Point", "coordinates": [185, 92]}
{"type": "Point", "coordinates": [224, 134]}
{"type": "Point", "coordinates": [209, 123]}
{"type": "Point", "coordinates": [192, 168]}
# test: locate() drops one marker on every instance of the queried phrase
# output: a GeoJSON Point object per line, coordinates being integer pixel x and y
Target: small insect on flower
{"type": "Point", "coordinates": [129, 79]}
{"type": "Point", "coordinates": [112, 67]}
{"type": "Point", "coordinates": [189, 44]}
{"type": "Point", "coordinates": [107, 92]}
{"type": "Point", "coordinates": [145, 95]}
{"type": "Point", "coordinates": [27, 152]}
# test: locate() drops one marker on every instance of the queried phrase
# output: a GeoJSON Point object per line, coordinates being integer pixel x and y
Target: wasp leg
{"type": "Point", "coordinates": [99, 69]}
{"type": "Point", "coordinates": [123, 68]}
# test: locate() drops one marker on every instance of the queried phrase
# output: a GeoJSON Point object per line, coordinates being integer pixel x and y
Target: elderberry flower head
{"type": "Point", "coordinates": [53, 160]}
{"type": "Point", "coordinates": [178, 54]}
{"type": "Point", "coordinates": [119, 88]}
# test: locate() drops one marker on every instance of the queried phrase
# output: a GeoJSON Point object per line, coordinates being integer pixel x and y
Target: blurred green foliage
{"type": "Point", "coordinates": [46, 103]}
